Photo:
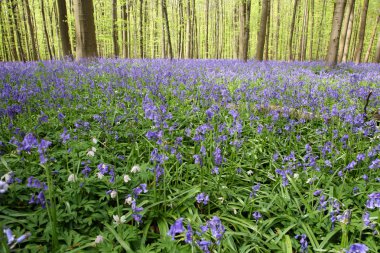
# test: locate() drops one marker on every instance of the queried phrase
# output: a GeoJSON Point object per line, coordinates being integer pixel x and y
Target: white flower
{"type": "Point", "coordinates": [3, 187]}
{"type": "Point", "coordinates": [94, 140]}
{"type": "Point", "coordinates": [127, 178]}
{"type": "Point", "coordinates": [128, 200]}
{"type": "Point", "coordinates": [100, 175]}
{"type": "Point", "coordinates": [119, 220]}
{"type": "Point", "coordinates": [113, 194]}
{"type": "Point", "coordinates": [235, 211]}
{"type": "Point", "coordinates": [93, 149]}
{"type": "Point", "coordinates": [99, 239]}
{"type": "Point", "coordinates": [250, 172]}
{"type": "Point", "coordinates": [296, 176]}
{"type": "Point", "coordinates": [135, 169]}
{"type": "Point", "coordinates": [7, 177]}
{"type": "Point", "coordinates": [221, 199]}
{"type": "Point", "coordinates": [72, 178]}
{"type": "Point", "coordinates": [91, 153]}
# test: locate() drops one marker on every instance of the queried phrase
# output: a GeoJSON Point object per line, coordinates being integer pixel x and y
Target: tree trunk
{"type": "Point", "coordinates": [115, 37]}
{"type": "Point", "coordinates": [45, 30]}
{"type": "Point", "coordinates": [64, 29]}
{"type": "Point", "coordinates": [141, 30]}
{"type": "Point", "coordinates": [166, 20]}
{"type": "Point", "coordinates": [125, 15]}
{"type": "Point", "coordinates": [189, 31]}
{"type": "Point", "coordinates": [277, 40]}
{"type": "Point", "coordinates": [348, 35]}
{"type": "Point", "coordinates": [181, 35]}
{"type": "Point", "coordinates": [267, 41]}
{"type": "Point", "coordinates": [18, 34]}
{"type": "Point", "coordinates": [236, 31]}
{"type": "Point", "coordinates": [31, 31]}
{"type": "Point", "coordinates": [343, 34]}
{"type": "Point", "coordinates": [312, 30]}
{"type": "Point", "coordinates": [207, 19]}
{"type": "Point", "coordinates": [332, 54]}
{"type": "Point", "coordinates": [245, 13]}
{"type": "Point", "coordinates": [304, 31]}
{"type": "Point", "coordinates": [372, 39]}
{"type": "Point", "coordinates": [292, 30]}
{"type": "Point", "coordinates": [261, 36]}
{"type": "Point", "coordinates": [85, 29]}
{"type": "Point", "coordinates": [320, 28]}
{"type": "Point", "coordinates": [377, 55]}
{"type": "Point", "coordinates": [363, 20]}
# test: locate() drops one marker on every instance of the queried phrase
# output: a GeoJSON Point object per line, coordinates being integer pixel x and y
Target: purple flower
{"type": "Point", "coordinates": [217, 228]}
{"type": "Point", "coordinates": [375, 164]}
{"type": "Point", "coordinates": [317, 193]}
{"type": "Point", "coordinates": [9, 234]}
{"type": "Point", "coordinates": [357, 248]}
{"type": "Point", "coordinates": [65, 136]}
{"type": "Point", "coordinates": [197, 159]}
{"type": "Point", "coordinates": [176, 228]}
{"type": "Point", "coordinates": [254, 191]}
{"type": "Point", "coordinates": [366, 219]}
{"type": "Point", "coordinates": [215, 171]}
{"type": "Point", "coordinates": [204, 246]}
{"type": "Point", "coordinates": [303, 241]}
{"type": "Point", "coordinates": [202, 198]}
{"type": "Point", "coordinates": [373, 200]}
{"type": "Point", "coordinates": [189, 234]}
{"type": "Point", "coordinates": [218, 159]}
{"type": "Point", "coordinates": [257, 215]}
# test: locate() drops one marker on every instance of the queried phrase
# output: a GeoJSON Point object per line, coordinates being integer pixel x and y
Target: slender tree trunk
{"type": "Point", "coordinates": [189, 31]}
{"type": "Point", "coordinates": [141, 30]}
{"type": "Point", "coordinates": [312, 30]}
{"type": "Point", "coordinates": [22, 12]}
{"type": "Point", "coordinates": [304, 31]}
{"type": "Point", "coordinates": [166, 20]}
{"type": "Point", "coordinates": [18, 35]}
{"type": "Point", "coordinates": [45, 30]}
{"type": "Point", "coordinates": [348, 35]}
{"type": "Point", "coordinates": [85, 29]}
{"type": "Point", "coordinates": [261, 36]}
{"type": "Point", "coordinates": [363, 20]}
{"type": "Point", "coordinates": [236, 31]}
{"type": "Point", "coordinates": [332, 54]}
{"type": "Point", "coordinates": [267, 41]}
{"type": "Point", "coordinates": [372, 39]}
{"type": "Point", "coordinates": [277, 40]}
{"type": "Point", "coordinates": [216, 30]}
{"type": "Point", "coordinates": [321, 28]}
{"type": "Point", "coordinates": [124, 11]}
{"type": "Point", "coordinates": [115, 37]}
{"type": "Point", "coordinates": [245, 13]}
{"type": "Point", "coordinates": [207, 19]}
{"type": "Point", "coordinates": [343, 34]}
{"type": "Point", "coordinates": [31, 31]}
{"type": "Point", "coordinates": [181, 36]}
{"type": "Point", "coordinates": [377, 54]}
{"type": "Point", "coordinates": [292, 31]}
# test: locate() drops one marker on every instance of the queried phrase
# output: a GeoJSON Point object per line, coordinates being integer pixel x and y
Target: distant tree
{"type": "Point", "coordinates": [363, 20]}
{"type": "Point", "coordinates": [291, 58]}
{"type": "Point", "coordinates": [377, 54]}
{"type": "Point", "coordinates": [245, 14]}
{"type": "Point", "coordinates": [344, 31]}
{"type": "Point", "coordinates": [366, 58]}
{"type": "Point", "coordinates": [115, 37]}
{"type": "Point", "coordinates": [332, 54]}
{"type": "Point", "coordinates": [85, 29]}
{"type": "Point", "coordinates": [262, 32]}
{"type": "Point", "coordinates": [64, 28]}
{"type": "Point", "coordinates": [348, 35]}
{"type": "Point", "coordinates": [165, 17]}
{"type": "Point", "coordinates": [207, 21]}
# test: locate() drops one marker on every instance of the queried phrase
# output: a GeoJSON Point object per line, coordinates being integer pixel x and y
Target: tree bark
{"type": "Point", "coordinates": [125, 14]}
{"type": "Point", "coordinates": [363, 20]}
{"type": "Point", "coordinates": [18, 34]}
{"type": "Point", "coordinates": [64, 29]}
{"type": "Point", "coordinates": [85, 29]}
{"type": "Point", "coordinates": [262, 35]}
{"type": "Point", "coordinates": [31, 31]}
{"type": "Point", "coordinates": [348, 35]}
{"type": "Point", "coordinates": [165, 17]}
{"type": "Point", "coordinates": [207, 19]}
{"type": "Point", "coordinates": [45, 30]}
{"type": "Point", "coordinates": [181, 35]}
{"type": "Point", "coordinates": [320, 28]}
{"type": "Point", "coordinates": [372, 39]}
{"type": "Point", "coordinates": [236, 31]}
{"type": "Point", "coordinates": [332, 54]}
{"type": "Point", "coordinates": [377, 54]}
{"type": "Point", "coordinates": [312, 30]}
{"type": "Point", "coordinates": [115, 37]}
{"type": "Point", "coordinates": [292, 30]}
{"type": "Point", "coordinates": [189, 31]}
{"type": "Point", "coordinates": [245, 14]}
{"type": "Point", "coordinates": [343, 34]}
{"type": "Point", "coordinates": [277, 40]}
{"type": "Point", "coordinates": [141, 30]}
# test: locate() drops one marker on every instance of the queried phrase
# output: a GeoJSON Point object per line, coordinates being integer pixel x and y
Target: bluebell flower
{"type": "Point", "coordinates": [215, 170]}
{"type": "Point", "coordinates": [254, 191]}
{"type": "Point", "coordinates": [189, 234]}
{"type": "Point", "coordinates": [257, 215]}
{"type": "Point", "coordinates": [218, 159]}
{"type": "Point", "coordinates": [317, 193]}
{"type": "Point", "coordinates": [204, 246]}
{"type": "Point", "coordinates": [366, 219]}
{"type": "Point", "coordinates": [303, 241]}
{"type": "Point", "coordinates": [373, 200]}
{"type": "Point", "coordinates": [3, 187]}
{"type": "Point", "coordinates": [65, 136]}
{"type": "Point", "coordinates": [10, 237]}
{"type": "Point", "coordinates": [176, 228]}
{"type": "Point", "coordinates": [375, 164]}
{"type": "Point", "coordinates": [202, 198]}
{"type": "Point", "coordinates": [357, 248]}
{"type": "Point", "coordinates": [217, 228]}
